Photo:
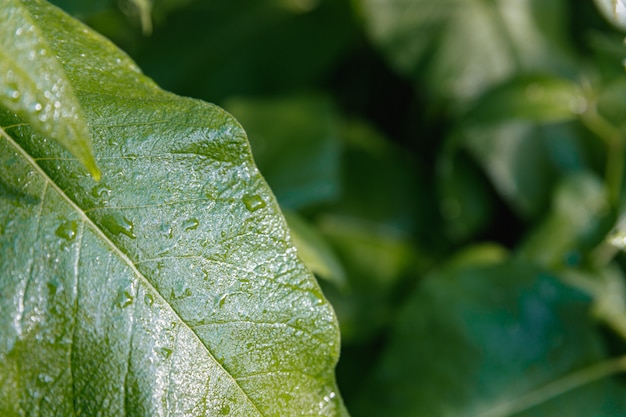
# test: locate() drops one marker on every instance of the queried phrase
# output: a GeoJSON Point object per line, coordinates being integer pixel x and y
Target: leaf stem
{"type": "Point", "coordinates": [614, 142]}
{"type": "Point", "coordinates": [554, 389]}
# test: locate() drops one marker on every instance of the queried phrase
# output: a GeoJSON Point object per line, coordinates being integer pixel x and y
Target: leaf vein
{"type": "Point", "coordinates": [122, 255]}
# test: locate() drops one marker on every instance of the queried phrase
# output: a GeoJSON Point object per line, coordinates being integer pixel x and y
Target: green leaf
{"type": "Point", "coordinates": [465, 202]}
{"type": "Point", "coordinates": [248, 47]}
{"type": "Point", "coordinates": [579, 219]}
{"type": "Point", "coordinates": [35, 85]}
{"type": "Point", "coordinates": [460, 48]}
{"type": "Point", "coordinates": [169, 288]}
{"type": "Point", "coordinates": [538, 98]}
{"type": "Point", "coordinates": [497, 340]}
{"type": "Point", "coordinates": [524, 160]}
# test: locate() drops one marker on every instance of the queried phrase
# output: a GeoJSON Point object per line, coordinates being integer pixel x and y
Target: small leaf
{"type": "Point", "coordinates": [34, 84]}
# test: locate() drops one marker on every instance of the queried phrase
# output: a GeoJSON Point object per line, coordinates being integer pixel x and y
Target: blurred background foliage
{"type": "Point", "coordinates": [452, 172]}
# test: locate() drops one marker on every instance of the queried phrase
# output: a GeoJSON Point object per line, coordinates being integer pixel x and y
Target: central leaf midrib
{"type": "Point", "coordinates": [123, 256]}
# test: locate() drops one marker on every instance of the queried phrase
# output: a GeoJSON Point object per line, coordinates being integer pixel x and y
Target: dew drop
{"type": "Point", "coordinates": [165, 352]}
{"type": "Point", "coordinates": [124, 299]}
{"type": "Point", "coordinates": [12, 91]}
{"type": "Point", "coordinates": [45, 378]}
{"type": "Point", "coordinates": [116, 223]}
{"type": "Point", "coordinates": [221, 300]}
{"type": "Point", "coordinates": [101, 190]}
{"type": "Point", "coordinates": [54, 287]}
{"type": "Point", "coordinates": [253, 202]}
{"type": "Point", "coordinates": [67, 230]}
{"type": "Point", "coordinates": [148, 299]}
{"type": "Point", "coordinates": [180, 291]}
{"type": "Point", "coordinates": [191, 224]}
{"type": "Point", "coordinates": [205, 274]}
{"type": "Point", "coordinates": [166, 231]}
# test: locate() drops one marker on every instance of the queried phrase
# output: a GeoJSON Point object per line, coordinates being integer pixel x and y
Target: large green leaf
{"type": "Point", "coordinates": [34, 85]}
{"type": "Point", "coordinates": [494, 340]}
{"type": "Point", "coordinates": [169, 288]}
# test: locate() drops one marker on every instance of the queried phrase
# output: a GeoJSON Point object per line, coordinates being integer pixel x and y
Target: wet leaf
{"type": "Point", "coordinates": [171, 287]}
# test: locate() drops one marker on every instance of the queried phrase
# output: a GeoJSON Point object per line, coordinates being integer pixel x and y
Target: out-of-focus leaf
{"type": "Point", "coordinates": [36, 86]}
{"type": "Point", "coordinates": [524, 160]}
{"type": "Point", "coordinates": [612, 103]}
{"type": "Point", "coordinates": [461, 48]}
{"type": "Point", "coordinates": [381, 183]}
{"type": "Point", "coordinates": [375, 258]}
{"type": "Point", "coordinates": [577, 223]}
{"type": "Point", "coordinates": [609, 54]}
{"type": "Point", "coordinates": [81, 8]}
{"type": "Point", "coordinates": [314, 251]}
{"type": "Point", "coordinates": [608, 288]}
{"type": "Point", "coordinates": [295, 144]}
{"type": "Point", "coordinates": [537, 98]}
{"type": "Point", "coordinates": [465, 204]}
{"type": "Point", "coordinates": [371, 228]}
{"type": "Point", "coordinates": [475, 338]}
{"type": "Point", "coordinates": [249, 47]}
{"type": "Point", "coordinates": [169, 288]}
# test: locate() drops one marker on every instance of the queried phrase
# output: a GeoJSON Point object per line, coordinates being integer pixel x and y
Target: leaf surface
{"type": "Point", "coordinates": [171, 287]}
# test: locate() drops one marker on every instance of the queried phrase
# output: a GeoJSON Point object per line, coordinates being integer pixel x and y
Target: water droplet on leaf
{"type": "Point", "coordinates": [116, 223]}
{"type": "Point", "coordinates": [191, 224]}
{"type": "Point", "coordinates": [165, 352]}
{"type": "Point", "coordinates": [149, 299]}
{"type": "Point", "coordinates": [253, 202]}
{"type": "Point", "coordinates": [124, 299]}
{"type": "Point", "coordinates": [67, 230]}
{"type": "Point", "coordinates": [101, 190]}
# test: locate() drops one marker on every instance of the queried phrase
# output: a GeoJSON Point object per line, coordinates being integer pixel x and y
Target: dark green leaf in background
{"type": "Point", "coordinates": [219, 49]}
{"type": "Point", "coordinates": [169, 287]}
{"type": "Point", "coordinates": [478, 338]}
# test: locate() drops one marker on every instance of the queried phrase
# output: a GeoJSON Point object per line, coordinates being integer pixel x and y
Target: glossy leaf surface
{"type": "Point", "coordinates": [171, 287]}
